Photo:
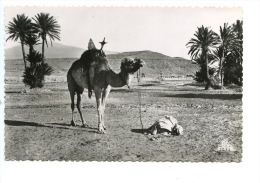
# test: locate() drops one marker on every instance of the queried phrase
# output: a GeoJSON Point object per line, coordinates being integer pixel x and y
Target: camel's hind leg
{"type": "Point", "coordinates": [72, 94]}
{"type": "Point", "coordinates": [74, 88]}
{"type": "Point", "coordinates": [79, 108]}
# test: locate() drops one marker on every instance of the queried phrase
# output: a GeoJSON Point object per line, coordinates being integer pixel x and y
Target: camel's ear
{"type": "Point", "coordinates": [138, 59]}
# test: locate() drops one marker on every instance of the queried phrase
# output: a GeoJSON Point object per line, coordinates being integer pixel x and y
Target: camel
{"type": "Point", "coordinates": [101, 77]}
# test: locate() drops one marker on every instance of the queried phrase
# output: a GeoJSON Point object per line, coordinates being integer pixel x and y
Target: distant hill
{"type": "Point", "coordinates": [142, 54]}
{"type": "Point", "coordinates": [157, 63]}
{"type": "Point", "coordinates": [56, 51]}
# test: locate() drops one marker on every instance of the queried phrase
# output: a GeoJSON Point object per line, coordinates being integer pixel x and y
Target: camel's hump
{"type": "Point", "coordinates": [95, 57]}
{"type": "Point", "coordinates": [91, 55]}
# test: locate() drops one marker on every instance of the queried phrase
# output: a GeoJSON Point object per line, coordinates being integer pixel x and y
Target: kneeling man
{"type": "Point", "coordinates": [167, 125]}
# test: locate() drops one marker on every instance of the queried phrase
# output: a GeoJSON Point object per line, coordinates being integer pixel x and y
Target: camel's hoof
{"type": "Point", "coordinates": [72, 123]}
{"type": "Point", "coordinates": [101, 130]}
{"type": "Point", "coordinates": [84, 125]}
{"type": "Point", "coordinates": [102, 126]}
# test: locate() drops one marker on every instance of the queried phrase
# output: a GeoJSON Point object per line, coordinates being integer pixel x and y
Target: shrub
{"type": "Point", "coordinates": [34, 75]}
{"type": "Point", "coordinates": [201, 75]}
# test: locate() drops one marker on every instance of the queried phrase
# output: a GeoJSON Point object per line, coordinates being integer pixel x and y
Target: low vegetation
{"type": "Point", "coordinates": [34, 75]}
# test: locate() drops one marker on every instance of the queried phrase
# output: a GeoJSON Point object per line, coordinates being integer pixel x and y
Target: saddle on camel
{"type": "Point", "coordinates": [91, 57]}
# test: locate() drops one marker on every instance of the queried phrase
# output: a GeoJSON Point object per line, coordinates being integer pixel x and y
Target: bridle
{"type": "Point", "coordinates": [123, 79]}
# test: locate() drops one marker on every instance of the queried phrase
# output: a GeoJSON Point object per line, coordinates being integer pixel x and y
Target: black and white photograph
{"type": "Point", "coordinates": [129, 91]}
{"type": "Point", "coordinates": [123, 84]}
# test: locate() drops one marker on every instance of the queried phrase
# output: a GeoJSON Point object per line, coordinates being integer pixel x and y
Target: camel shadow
{"type": "Point", "coordinates": [22, 123]}
{"type": "Point", "coordinates": [50, 125]}
{"type": "Point", "coordinates": [68, 125]}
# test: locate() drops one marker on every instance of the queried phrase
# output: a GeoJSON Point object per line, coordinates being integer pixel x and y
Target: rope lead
{"type": "Point", "coordinates": [139, 96]}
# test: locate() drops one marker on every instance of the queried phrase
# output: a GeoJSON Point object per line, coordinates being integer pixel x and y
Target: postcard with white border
{"type": "Point", "coordinates": [124, 84]}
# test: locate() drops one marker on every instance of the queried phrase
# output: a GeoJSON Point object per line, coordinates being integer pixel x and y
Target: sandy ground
{"type": "Point", "coordinates": [37, 124]}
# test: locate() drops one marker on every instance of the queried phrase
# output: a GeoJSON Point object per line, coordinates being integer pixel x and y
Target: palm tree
{"type": "Point", "coordinates": [228, 45]}
{"type": "Point", "coordinates": [31, 40]}
{"type": "Point", "coordinates": [19, 28]}
{"type": "Point", "coordinates": [238, 30]}
{"type": "Point", "coordinates": [205, 39]}
{"type": "Point", "coordinates": [46, 25]}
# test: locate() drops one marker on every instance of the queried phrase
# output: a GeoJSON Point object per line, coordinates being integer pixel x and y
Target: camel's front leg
{"type": "Point", "coordinates": [103, 102]}
{"type": "Point", "coordinates": [98, 94]}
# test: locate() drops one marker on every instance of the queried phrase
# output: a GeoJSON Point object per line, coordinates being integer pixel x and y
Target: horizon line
{"type": "Point", "coordinates": [117, 52]}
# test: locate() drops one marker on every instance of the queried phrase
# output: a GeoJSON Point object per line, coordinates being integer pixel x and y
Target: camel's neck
{"type": "Point", "coordinates": [118, 80]}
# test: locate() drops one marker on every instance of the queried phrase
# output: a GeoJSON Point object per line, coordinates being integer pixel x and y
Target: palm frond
{"type": "Point", "coordinates": [205, 40]}
{"type": "Point", "coordinates": [18, 28]}
{"type": "Point", "coordinates": [34, 57]}
{"type": "Point", "coordinates": [47, 26]}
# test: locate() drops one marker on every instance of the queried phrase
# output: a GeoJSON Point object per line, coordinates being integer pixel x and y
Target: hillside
{"type": "Point", "coordinates": [57, 50]}
{"type": "Point", "coordinates": [157, 63]}
{"type": "Point", "coordinates": [146, 55]}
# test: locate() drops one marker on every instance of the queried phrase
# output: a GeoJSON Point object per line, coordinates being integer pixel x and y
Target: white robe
{"type": "Point", "coordinates": [166, 124]}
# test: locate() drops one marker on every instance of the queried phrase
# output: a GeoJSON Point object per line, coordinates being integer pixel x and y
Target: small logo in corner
{"type": "Point", "coordinates": [225, 146]}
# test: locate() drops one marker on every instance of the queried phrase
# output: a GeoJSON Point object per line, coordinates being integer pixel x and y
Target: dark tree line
{"type": "Point", "coordinates": [220, 56]}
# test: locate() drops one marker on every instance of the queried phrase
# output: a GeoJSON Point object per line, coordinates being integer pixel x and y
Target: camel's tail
{"type": "Point", "coordinates": [89, 89]}
{"type": "Point", "coordinates": [89, 83]}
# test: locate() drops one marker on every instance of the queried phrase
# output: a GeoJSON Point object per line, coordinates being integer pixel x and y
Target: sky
{"type": "Point", "coordinates": [164, 30]}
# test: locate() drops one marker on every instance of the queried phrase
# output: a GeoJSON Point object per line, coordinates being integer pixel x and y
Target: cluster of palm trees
{"type": "Point", "coordinates": [225, 49]}
{"type": "Point", "coordinates": [29, 32]}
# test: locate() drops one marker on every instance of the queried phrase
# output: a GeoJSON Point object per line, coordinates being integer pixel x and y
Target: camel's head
{"type": "Point", "coordinates": [131, 65]}
{"type": "Point", "coordinates": [139, 62]}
